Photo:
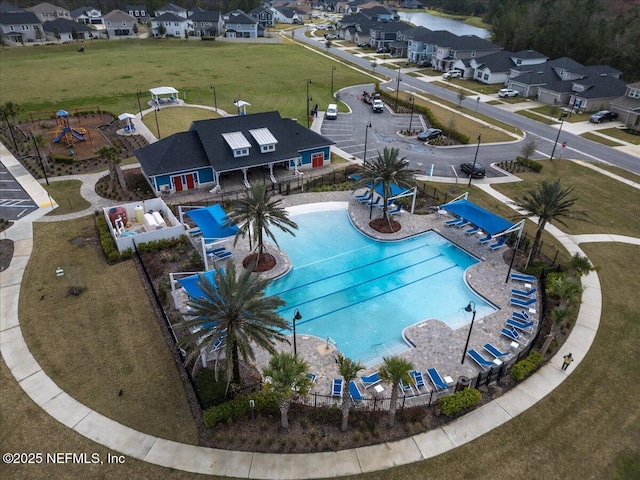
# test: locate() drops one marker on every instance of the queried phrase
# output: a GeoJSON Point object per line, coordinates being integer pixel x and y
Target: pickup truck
{"type": "Point", "coordinates": [377, 106]}
{"type": "Point", "coordinates": [370, 97]}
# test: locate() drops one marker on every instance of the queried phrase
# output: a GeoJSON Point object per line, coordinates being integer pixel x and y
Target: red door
{"type": "Point", "coordinates": [191, 181]}
{"type": "Point", "coordinates": [177, 181]}
{"type": "Point", "coordinates": [317, 160]}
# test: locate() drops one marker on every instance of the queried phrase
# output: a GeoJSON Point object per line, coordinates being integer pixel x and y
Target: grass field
{"type": "Point", "coordinates": [67, 194]}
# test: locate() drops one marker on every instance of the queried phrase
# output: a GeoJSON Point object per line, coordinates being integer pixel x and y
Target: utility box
{"type": "Point", "coordinates": [463, 383]}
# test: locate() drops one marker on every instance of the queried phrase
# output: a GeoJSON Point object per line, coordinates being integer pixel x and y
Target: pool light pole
{"type": "Point", "coordinates": [366, 137]}
{"type": "Point", "coordinates": [474, 161]}
{"type": "Point", "coordinates": [215, 100]}
{"type": "Point", "coordinates": [563, 115]}
{"type": "Point", "coordinates": [308, 99]}
{"type": "Point", "coordinates": [469, 308]}
{"type": "Point", "coordinates": [138, 93]}
{"type": "Point", "coordinates": [155, 111]}
{"type": "Point", "coordinates": [296, 316]}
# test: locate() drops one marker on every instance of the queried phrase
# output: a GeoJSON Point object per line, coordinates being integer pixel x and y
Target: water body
{"type": "Point", "coordinates": [422, 19]}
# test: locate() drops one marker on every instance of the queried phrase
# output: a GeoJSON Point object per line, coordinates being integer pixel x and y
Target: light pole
{"type": "Point", "coordinates": [366, 136]}
{"type": "Point", "coordinates": [333, 69]}
{"type": "Point", "coordinates": [308, 99]}
{"type": "Point", "coordinates": [562, 117]}
{"type": "Point", "coordinates": [296, 316]}
{"type": "Point", "coordinates": [398, 87]}
{"type": "Point", "coordinates": [155, 111]}
{"type": "Point", "coordinates": [413, 101]}
{"type": "Point", "coordinates": [44, 172]}
{"type": "Point", "coordinates": [469, 308]}
{"type": "Point", "coordinates": [138, 93]}
{"type": "Point", "coordinates": [215, 100]}
{"type": "Point", "coordinates": [474, 161]}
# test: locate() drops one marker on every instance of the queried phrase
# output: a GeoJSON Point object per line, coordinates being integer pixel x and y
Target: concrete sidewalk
{"type": "Point", "coordinates": [71, 413]}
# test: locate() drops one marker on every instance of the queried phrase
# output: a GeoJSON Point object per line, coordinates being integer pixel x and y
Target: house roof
{"type": "Point", "coordinates": [496, 62]}
{"type": "Point", "coordinates": [169, 17]}
{"type": "Point", "coordinates": [135, 7]}
{"type": "Point", "coordinates": [242, 18]}
{"type": "Point", "coordinates": [172, 7]}
{"type": "Point", "coordinates": [64, 25]}
{"type": "Point", "coordinates": [8, 8]}
{"type": "Point", "coordinates": [179, 152]}
{"type": "Point", "coordinates": [204, 16]}
{"type": "Point", "coordinates": [598, 86]}
{"type": "Point", "coordinates": [46, 7]}
{"type": "Point", "coordinates": [529, 54]}
{"type": "Point", "coordinates": [119, 16]}
{"type": "Point", "coordinates": [78, 12]}
{"type": "Point", "coordinates": [18, 18]}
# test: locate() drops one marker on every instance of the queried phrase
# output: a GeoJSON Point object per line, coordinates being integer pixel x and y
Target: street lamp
{"type": "Point", "coordinates": [138, 93]}
{"type": "Point", "coordinates": [563, 115]}
{"type": "Point", "coordinates": [44, 172]}
{"type": "Point", "coordinates": [296, 316]}
{"type": "Point", "coordinates": [308, 99]}
{"type": "Point", "coordinates": [215, 100]}
{"type": "Point", "coordinates": [366, 136]}
{"type": "Point", "coordinates": [413, 101]}
{"type": "Point", "coordinates": [469, 308]}
{"type": "Point", "coordinates": [155, 111]}
{"type": "Point", "coordinates": [474, 161]}
{"type": "Point", "coordinates": [333, 69]}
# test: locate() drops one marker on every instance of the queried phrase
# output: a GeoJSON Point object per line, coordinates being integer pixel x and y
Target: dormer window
{"type": "Point", "coordinates": [238, 143]}
{"type": "Point", "coordinates": [265, 139]}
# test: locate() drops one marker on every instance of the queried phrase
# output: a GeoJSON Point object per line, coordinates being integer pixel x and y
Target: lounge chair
{"type": "Point", "coordinates": [395, 210]}
{"type": "Point", "coordinates": [220, 342]}
{"type": "Point", "coordinates": [523, 293]}
{"type": "Point", "coordinates": [356, 395]}
{"type": "Point", "coordinates": [523, 278]}
{"type": "Point", "coordinates": [312, 377]}
{"type": "Point", "coordinates": [486, 239]}
{"type": "Point", "coordinates": [220, 255]}
{"type": "Point", "coordinates": [365, 197]}
{"type": "Point", "coordinates": [521, 315]}
{"type": "Point", "coordinates": [406, 388]}
{"type": "Point", "coordinates": [436, 379]}
{"type": "Point", "coordinates": [370, 380]}
{"type": "Point", "coordinates": [522, 326]}
{"type": "Point", "coordinates": [194, 232]}
{"type": "Point", "coordinates": [499, 244]}
{"type": "Point", "coordinates": [389, 204]}
{"type": "Point", "coordinates": [482, 362]}
{"type": "Point", "coordinates": [453, 221]}
{"type": "Point", "coordinates": [418, 380]}
{"type": "Point", "coordinates": [336, 387]}
{"type": "Point", "coordinates": [373, 204]}
{"type": "Point", "coordinates": [472, 230]}
{"type": "Point", "coordinates": [494, 351]}
{"type": "Point", "coordinates": [513, 335]}
{"type": "Point", "coordinates": [523, 303]}
{"type": "Point", "coordinates": [463, 223]}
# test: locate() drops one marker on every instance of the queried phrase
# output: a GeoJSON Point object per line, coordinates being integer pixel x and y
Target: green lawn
{"type": "Point", "coordinates": [67, 194]}
{"type": "Point", "coordinates": [176, 119]}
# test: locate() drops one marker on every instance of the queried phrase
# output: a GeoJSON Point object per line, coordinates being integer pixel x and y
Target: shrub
{"type": "Point", "coordinates": [452, 404]}
{"type": "Point", "coordinates": [265, 401]}
{"type": "Point", "coordinates": [524, 368]}
{"type": "Point", "coordinates": [530, 164]}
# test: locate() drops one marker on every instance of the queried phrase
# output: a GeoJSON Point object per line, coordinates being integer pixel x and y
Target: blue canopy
{"type": "Point", "coordinates": [487, 221]}
{"type": "Point", "coordinates": [210, 221]}
{"type": "Point", "coordinates": [190, 283]}
{"type": "Point", "coordinates": [395, 189]}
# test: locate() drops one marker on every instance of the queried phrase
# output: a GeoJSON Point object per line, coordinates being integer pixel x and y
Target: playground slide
{"type": "Point", "coordinates": [77, 136]}
{"type": "Point", "coordinates": [58, 138]}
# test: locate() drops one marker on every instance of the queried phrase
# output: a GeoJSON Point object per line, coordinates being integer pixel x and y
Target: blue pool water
{"type": "Point", "coordinates": [362, 293]}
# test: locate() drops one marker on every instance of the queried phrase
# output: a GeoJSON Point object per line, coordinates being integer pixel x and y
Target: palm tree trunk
{"type": "Point", "coordinates": [236, 365]}
{"type": "Point", "coordinates": [346, 403]}
{"type": "Point", "coordinates": [536, 242]}
{"type": "Point", "coordinates": [393, 406]}
{"type": "Point", "coordinates": [284, 414]}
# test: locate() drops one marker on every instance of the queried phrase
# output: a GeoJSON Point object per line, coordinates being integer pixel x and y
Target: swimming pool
{"type": "Point", "coordinates": [361, 292]}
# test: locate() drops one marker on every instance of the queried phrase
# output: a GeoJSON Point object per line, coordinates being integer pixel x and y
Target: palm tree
{"type": "Point", "coordinates": [550, 202]}
{"type": "Point", "coordinates": [349, 371]}
{"type": "Point", "coordinates": [387, 169]}
{"type": "Point", "coordinates": [256, 213]}
{"type": "Point", "coordinates": [234, 311]}
{"type": "Point", "coordinates": [567, 290]}
{"type": "Point", "coordinates": [393, 371]}
{"type": "Point", "coordinates": [288, 378]}
{"type": "Point", "coordinates": [12, 110]}
{"type": "Point", "coordinates": [116, 177]}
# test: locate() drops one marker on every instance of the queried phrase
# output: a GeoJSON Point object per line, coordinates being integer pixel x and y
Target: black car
{"type": "Point", "coordinates": [603, 116]}
{"type": "Point", "coordinates": [476, 171]}
{"type": "Point", "coordinates": [429, 134]}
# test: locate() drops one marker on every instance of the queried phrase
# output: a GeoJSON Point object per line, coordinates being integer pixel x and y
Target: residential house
{"type": "Point", "coordinates": [383, 34]}
{"type": "Point", "coordinates": [139, 12]}
{"type": "Point", "coordinates": [526, 79]}
{"type": "Point", "coordinates": [89, 16]}
{"type": "Point", "coordinates": [355, 28]}
{"type": "Point", "coordinates": [378, 12]}
{"type": "Point", "coordinates": [263, 15]}
{"type": "Point", "coordinates": [172, 9]}
{"type": "Point", "coordinates": [20, 26]}
{"type": "Point", "coordinates": [411, 5]}
{"type": "Point", "coordinates": [242, 25]}
{"type": "Point", "coordinates": [207, 24]}
{"type": "Point", "coordinates": [419, 44]}
{"type": "Point", "coordinates": [65, 30]}
{"type": "Point", "coordinates": [628, 106]}
{"type": "Point", "coordinates": [45, 12]}
{"type": "Point", "coordinates": [8, 8]}
{"type": "Point", "coordinates": [171, 25]}
{"type": "Point", "coordinates": [120, 25]}
{"type": "Point", "coordinates": [246, 144]}
{"type": "Point", "coordinates": [285, 15]}
{"type": "Point", "coordinates": [455, 52]}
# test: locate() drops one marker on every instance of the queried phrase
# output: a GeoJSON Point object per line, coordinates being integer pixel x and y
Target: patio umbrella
{"type": "Point", "coordinates": [127, 117]}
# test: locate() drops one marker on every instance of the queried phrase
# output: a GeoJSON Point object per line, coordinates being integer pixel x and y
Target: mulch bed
{"type": "Point", "coordinates": [267, 262]}
{"type": "Point", "coordinates": [379, 225]}
{"type": "Point", "coordinates": [6, 254]}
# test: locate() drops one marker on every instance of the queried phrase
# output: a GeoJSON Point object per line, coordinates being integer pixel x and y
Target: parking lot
{"type": "Point", "coordinates": [14, 201]}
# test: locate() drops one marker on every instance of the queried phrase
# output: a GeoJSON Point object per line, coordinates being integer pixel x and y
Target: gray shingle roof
{"type": "Point", "coordinates": [63, 25]}
{"type": "Point", "coordinates": [19, 18]}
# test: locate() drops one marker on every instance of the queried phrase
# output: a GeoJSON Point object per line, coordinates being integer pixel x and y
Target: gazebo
{"type": "Point", "coordinates": [170, 92]}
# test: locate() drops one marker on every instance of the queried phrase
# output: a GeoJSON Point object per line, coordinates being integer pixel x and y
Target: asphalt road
{"type": "Point", "coordinates": [14, 201]}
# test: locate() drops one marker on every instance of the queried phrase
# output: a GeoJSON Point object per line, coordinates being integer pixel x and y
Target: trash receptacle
{"type": "Point", "coordinates": [463, 383]}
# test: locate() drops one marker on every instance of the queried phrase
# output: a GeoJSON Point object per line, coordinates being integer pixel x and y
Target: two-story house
{"type": "Point", "coordinates": [263, 15]}
{"type": "Point", "coordinates": [171, 25]}
{"type": "Point", "coordinates": [172, 9]}
{"type": "Point", "coordinates": [242, 25]}
{"type": "Point", "coordinates": [45, 12]}
{"type": "Point", "coordinates": [20, 26]}
{"type": "Point", "coordinates": [65, 30]}
{"type": "Point", "coordinates": [285, 15]}
{"type": "Point", "coordinates": [120, 25]}
{"type": "Point", "coordinates": [207, 24]}
{"type": "Point", "coordinates": [383, 34]}
{"type": "Point", "coordinates": [628, 106]}
{"type": "Point", "coordinates": [89, 16]}
{"type": "Point", "coordinates": [495, 68]}
{"type": "Point", "coordinates": [455, 52]}
{"type": "Point", "coordinates": [139, 12]}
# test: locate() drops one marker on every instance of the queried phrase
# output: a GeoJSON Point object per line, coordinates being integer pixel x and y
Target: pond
{"type": "Point", "coordinates": [457, 27]}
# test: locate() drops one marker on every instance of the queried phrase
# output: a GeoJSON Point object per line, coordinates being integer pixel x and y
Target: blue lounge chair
{"type": "Point", "coordinates": [523, 293]}
{"type": "Point", "coordinates": [220, 255]}
{"type": "Point", "coordinates": [472, 230]}
{"type": "Point", "coordinates": [512, 334]}
{"type": "Point", "coordinates": [453, 221]}
{"type": "Point", "coordinates": [406, 388]}
{"type": "Point", "coordinates": [522, 326]}
{"type": "Point", "coordinates": [486, 239]}
{"type": "Point", "coordinates": [418, 380]}
{"type": "Point", "coordinates": [500, 243]}
{"type": "Point", "coordinates": [312, 377]}
{"type": "Point", "coordinates": [194, 232]}
{"type": "Point", "coordinates": [494, 351]}
{"type": "Point", "coordinates": [370, 380]}
{"type": "Point", "coordinates": [365, 197]}
{"type": "Point", "coordinates": [354, 391]}
{"type": "Point", "coordinates": [482, 362]}
{"type": "Point", "coordinates": [520, 277]}
{"type": "Point", "coordinates": [395, 210]}
{"type": "Point", "coordinates": [436, 379]}
{"type": "Point", "coordinates": [373, 204]}
{"type": "Point", "coordinates": [521, 315]}
{"type": "Point", "coordinates": [336, 387]}
{"type": "Point", "coordinates": [220, 342]}
{"type": "Point", "coordinates": [523, 303]}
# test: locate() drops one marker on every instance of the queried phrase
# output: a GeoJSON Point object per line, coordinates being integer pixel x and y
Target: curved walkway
{"type": "Point", "coordinates": [57, 403]}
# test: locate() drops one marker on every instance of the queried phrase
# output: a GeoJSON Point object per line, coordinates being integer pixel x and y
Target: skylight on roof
{"type": "Point", "coordinates": [263, 136]}
{"type": "Point", "coordinates": [236, 140]}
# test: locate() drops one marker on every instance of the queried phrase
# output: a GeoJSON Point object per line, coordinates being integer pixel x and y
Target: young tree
{"type": "Point", "coordinates": [255, 214]}
{"type": "Point", "coordinates": [393, 371]}
{"type": "Point", "coordinates": [550, 202]}
{"type": "Point", "coordinates": [288, 379]}
{"type": "Point", "coordinates": [528, 149]}
{"type": "Point", "coordinates": [461, 97]}
{"type": "Point", "coordinates": [116, 177]}
{"type": "Point", "coordinates": [349, 371]}
{"type": "Point", "coordinates": [233, 310]}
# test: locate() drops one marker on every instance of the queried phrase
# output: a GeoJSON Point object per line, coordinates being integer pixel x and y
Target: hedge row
{"type": "Point", "coordinates": [162, 244]}
{"type": "Point", "coordinates": [108, 244]}
{"type": "Point", "coordinates": [524, 368]}
{"type": "Point", "coordinates": [265, 401]}
{"type": "Point", "coordinates": [452, 404]}
{"type": "Point", "coordinates": [531, 164]}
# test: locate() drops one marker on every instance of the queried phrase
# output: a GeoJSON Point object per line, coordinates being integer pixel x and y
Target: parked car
{"type": "Point", "coordinates": [452, 74]}
{"type": "Point", "coordinates": [332, 112]}
{"type": "Point", "coordinates": [383, 50]}
{"type": "Point", "coordinates": [423, 64]}
{"type": "Point", "coordinates": [429, 134]}
{"type": "Point", "coordinates": [330, 36]}
{"type": "Point", "coordinates": [603, 116]}
{"type": "Point", "coordinates": [363, 44]}
{"type": "Point", "coordinates": [377, 106]}
{"type": "Point", "coordinates": [476, 171]}
{"type": "Point", "coordinates": [507, 92]}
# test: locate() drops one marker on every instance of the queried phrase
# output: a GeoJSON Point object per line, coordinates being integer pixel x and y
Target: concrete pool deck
{"type": "Point", "coordinates": [45, 393]}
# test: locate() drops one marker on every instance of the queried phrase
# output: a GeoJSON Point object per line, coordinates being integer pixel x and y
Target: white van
{"type": "Point", "coordinates": [332, 112]}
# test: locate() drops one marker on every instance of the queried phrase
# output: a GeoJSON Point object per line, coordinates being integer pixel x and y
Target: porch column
{"type": "Point", "coordinates": [273, 179]}
{"type": "Point", "coordinates": [216, 176]}
{"type": "Point", "coordinates": [246, 180]}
